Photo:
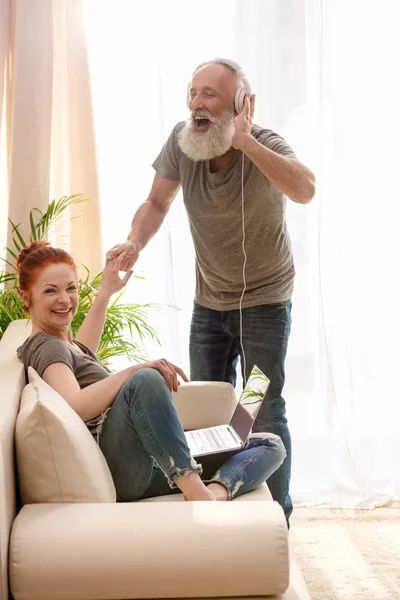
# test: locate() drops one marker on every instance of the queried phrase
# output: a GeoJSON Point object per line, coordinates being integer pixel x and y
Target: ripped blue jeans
{"type": "Point", "coordinates": [145, 447]}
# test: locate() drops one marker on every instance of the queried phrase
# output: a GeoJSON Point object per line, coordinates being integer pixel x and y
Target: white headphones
{"type": "Point", "coordinates": [242, 90]}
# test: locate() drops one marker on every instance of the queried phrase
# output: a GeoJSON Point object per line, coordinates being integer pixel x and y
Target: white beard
{"type": "Point", "coordinates": [216, 141]}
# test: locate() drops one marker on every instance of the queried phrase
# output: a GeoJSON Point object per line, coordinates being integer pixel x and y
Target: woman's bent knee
{"type": "Point", "coordinates": [146, 385]}
{"type": "Point", "coordinates": [280, 449]}
{"type": "Point", "coordinates": [147, 377]}
{"type": "Point", "coordinates": [274, 444]}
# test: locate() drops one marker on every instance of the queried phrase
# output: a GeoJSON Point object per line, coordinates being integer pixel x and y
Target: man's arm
{"type": "Point", "coordinates": [150, 215]}
{"type": "Point", "coordinates": [288, 174]}
{"type": "Point", "coordinates": [146, 221]}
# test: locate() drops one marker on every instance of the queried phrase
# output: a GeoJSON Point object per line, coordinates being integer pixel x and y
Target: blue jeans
{"type": "Point", "coordinates": [145, 447]}
{"type": "Point", "coordinates": [214, 352]}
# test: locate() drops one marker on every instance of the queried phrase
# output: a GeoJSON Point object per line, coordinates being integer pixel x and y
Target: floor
{"type": "Point", "coordinates": [348, 554]}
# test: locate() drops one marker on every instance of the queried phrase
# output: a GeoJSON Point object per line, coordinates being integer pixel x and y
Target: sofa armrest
{"type": "Point", "coordinates": [15, 335]}
{"type": "Point", "coordinates": [145, 550]}
{"type": "Point", "coordinates": [204, 403]}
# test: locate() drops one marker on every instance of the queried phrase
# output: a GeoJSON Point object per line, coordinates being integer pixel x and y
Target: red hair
{"type": "Point", "coordinates": [36, 257]}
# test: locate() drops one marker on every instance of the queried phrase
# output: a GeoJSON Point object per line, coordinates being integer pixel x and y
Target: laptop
{"type": "Point", "coordinates": [222, 438]}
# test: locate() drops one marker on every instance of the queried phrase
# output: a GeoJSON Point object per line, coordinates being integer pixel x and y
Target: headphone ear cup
{"type": "Point", "coordinates": [239, 99]}
{"type": "Point", "coordinates": [241, 94]}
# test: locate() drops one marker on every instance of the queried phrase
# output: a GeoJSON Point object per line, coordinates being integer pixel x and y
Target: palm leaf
{"type": "Point", "coordinates": [15, 256]}
{"type": "Point", "coordinates": [254, 395]}
{"type": "Point", "coordinates": [6, 277]}
{"type": "Point", "coordinates": [41, 223]}
{"type": "Point", "coordinates": [33, 235]}
{"type": "Point", "coordinates": [7, 262]}
{"type": "Point", "coordinates": [19, 236]}
{"type": "Point", "coordinates": [53, 213]}
{"type": "Point", "coordinates": [11, 308]}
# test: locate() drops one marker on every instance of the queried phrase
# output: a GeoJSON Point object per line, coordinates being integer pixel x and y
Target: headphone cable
{"type": "Point", "coordinates": [244, 277]}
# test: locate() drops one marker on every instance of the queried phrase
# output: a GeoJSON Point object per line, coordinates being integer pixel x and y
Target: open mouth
{"type": "Point", "coordinates": [201, 123]}
{"type": "Point", "coordinates": [62, 313]}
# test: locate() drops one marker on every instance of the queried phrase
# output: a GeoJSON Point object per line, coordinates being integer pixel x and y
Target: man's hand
{"type": "Point", "coordinates": [243, 122]}
{"type": "Point", "coordinates": [111, 282]}
{"type": "Point", "coordinates": [128, 253]}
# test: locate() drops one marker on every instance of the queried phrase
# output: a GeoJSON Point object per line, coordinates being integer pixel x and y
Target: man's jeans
{"type": "Point", "coordinates": [145, 447]}
{"type": "Point", "coordinates": [214, 351]}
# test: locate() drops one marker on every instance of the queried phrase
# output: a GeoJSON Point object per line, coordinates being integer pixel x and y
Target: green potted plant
{"type": "Point", "coordinates": [126, 325]}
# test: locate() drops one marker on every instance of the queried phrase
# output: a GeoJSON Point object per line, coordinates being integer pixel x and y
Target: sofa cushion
{"type": "Point", "coordinates": [145, 550]}
{"type": "Point", "coordinates": [58, 460]}
{"type": "Point", "coordinates": [260, 494]}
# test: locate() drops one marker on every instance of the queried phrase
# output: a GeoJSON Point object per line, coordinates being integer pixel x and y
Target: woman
{"type": "Point", "coordinates": [130, 413]}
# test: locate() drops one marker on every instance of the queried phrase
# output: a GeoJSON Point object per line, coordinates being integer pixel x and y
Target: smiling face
{"type": "Point", "coordinates": [211, 93]}
{"type": "Point", "coordinates": [53, 298]}
{"type": "Point", "coordinates": [209, 131]}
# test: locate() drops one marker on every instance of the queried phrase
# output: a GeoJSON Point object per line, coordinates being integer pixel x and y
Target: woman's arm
{"type": "Point", "coordinates": [96, 398]}
{"type": "Point", "coordinates": [92, 327]}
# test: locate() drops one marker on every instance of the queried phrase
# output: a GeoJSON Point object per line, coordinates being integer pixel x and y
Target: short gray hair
{"type": "Point", "coordinates": [234, 67]}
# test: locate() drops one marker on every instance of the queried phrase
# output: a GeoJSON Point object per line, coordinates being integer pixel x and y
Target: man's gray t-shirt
{"type": "Point", "coordinates": [214, 205]}
{"type": "Point", "coordinates": [42, 350]}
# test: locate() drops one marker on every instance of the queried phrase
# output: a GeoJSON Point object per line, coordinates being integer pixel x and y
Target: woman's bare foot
{"type": "Point", "coordinates": [194, 489]}
{"type": "Point", "coordinates": [219, 491]}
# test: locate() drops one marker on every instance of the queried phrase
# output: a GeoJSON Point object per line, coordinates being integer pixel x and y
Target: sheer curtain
{"type": "Point", "coordinates": [325, 75]}
{"type": "Point", "coordinates": [46, 128]}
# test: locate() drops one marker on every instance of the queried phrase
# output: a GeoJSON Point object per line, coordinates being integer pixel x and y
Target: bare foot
{"type": "Point", "coordinates": [204, 496]}
{"type": "Point", "coordinates": [194, 489]}
{"type": "Point", "coordinates": [219, 491]}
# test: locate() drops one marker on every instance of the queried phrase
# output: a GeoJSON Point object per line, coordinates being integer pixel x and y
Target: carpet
{"type": "Point", "coordinates": [348, 554]}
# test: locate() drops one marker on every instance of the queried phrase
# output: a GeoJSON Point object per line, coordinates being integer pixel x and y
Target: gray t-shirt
{"type": "Point", "coordinates": [214, 205]}
{"type": "Point", "coordinates": [42, 350]}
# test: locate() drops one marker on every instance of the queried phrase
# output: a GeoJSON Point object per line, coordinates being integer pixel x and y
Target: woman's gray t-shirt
{"type": "Point", "coordinates": [42, 350]}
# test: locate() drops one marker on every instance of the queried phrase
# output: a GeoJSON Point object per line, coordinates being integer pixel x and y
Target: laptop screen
{"type": "Point", "coordinates": [250, 400]}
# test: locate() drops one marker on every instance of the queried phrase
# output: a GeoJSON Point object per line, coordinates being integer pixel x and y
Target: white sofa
{"type": "Point", "coordinates": [159, 548]}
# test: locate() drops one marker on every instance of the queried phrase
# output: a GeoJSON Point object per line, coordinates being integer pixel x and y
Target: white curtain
{"type": "Point", "coordinates": [46, 128]}
{"type": "Point", "coordinates": [326, 77]}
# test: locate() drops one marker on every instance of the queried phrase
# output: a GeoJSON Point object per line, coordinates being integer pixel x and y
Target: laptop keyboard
{"type": "Point", "coordinates": [217, 438]}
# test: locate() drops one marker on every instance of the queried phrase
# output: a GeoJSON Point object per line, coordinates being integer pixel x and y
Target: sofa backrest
{"type": "Point", "coordinates": [12, 381]}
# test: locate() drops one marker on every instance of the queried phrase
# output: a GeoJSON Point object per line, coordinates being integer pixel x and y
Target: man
{"type": "Point", "coordinates": [234, 177]}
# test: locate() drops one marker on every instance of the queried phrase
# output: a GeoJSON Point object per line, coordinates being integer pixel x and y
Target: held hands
{"type": "Point", "coordinates": [111, 283]}
{"type": "Point", "coordinates": [128, 252]}
{"type": "Point", "coordinates": [243, 122]}
{"type": "Point", "coordinates": [169, 371]}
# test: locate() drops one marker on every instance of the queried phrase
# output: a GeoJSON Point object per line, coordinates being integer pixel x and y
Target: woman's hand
{"type": "Point", "coordinates": [111, 282]}
{"type": "Point", "coordinates": [169, 371]}
{"type": "Point", "coordinates": [127, 251]}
